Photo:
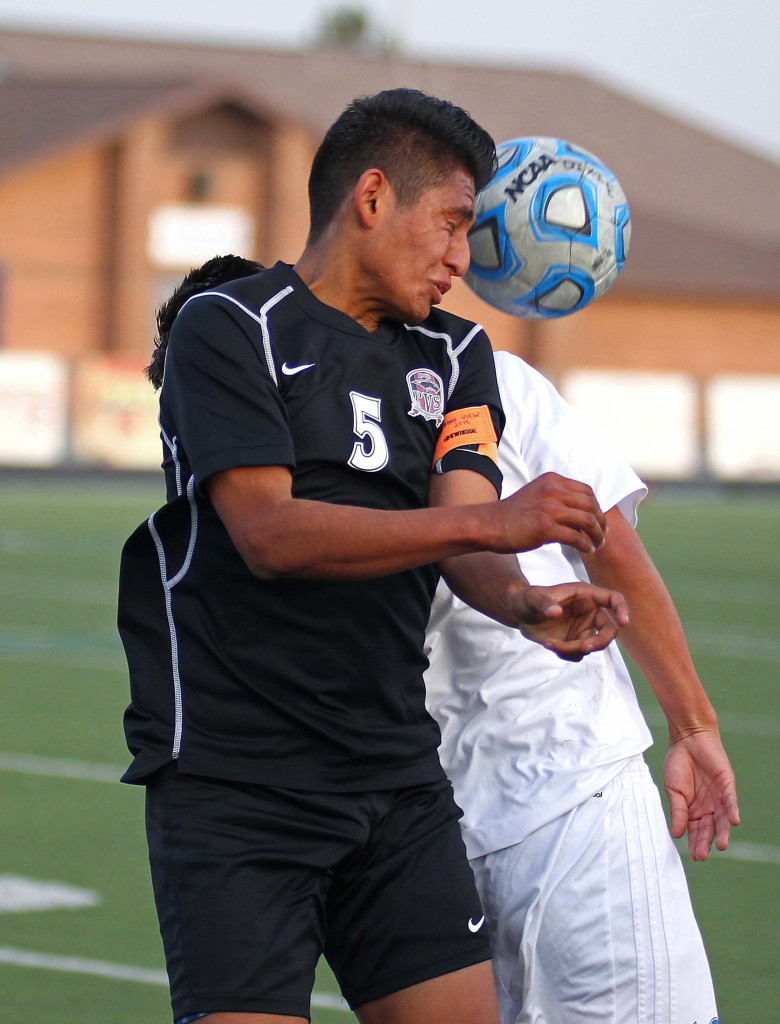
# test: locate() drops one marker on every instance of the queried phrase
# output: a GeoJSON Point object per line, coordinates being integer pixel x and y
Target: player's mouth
{"type": "Point", "coordinates": [441, 289]}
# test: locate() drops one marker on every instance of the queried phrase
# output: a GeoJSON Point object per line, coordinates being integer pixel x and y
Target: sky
{"type": "Point", "coordinates": [713, 63]}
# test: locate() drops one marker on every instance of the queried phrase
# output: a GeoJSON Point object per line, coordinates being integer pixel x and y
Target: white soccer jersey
{"type": "Point", "coordinates": [525, 735]}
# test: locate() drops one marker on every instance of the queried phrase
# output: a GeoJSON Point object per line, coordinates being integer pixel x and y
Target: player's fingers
{"type": "Point", "coordinates": [722, 832]}
{"type": "Point", "coordinates": [726, 817]}
{"type": "Point", "coordinates": [580, 497]}
{"type": "Point", "coordinates": [554, 481]}
{"type": "Point", "coordinates": [693, 845]}
{"type": "Point", "coordinates": [604, 630]}
{"type": "Point", "coordinates": [595, 642]}
{"type": "Point", "coordinates": [574, 529]}
{"type": "Point", "coordinates": [565, 505]}
{"type": "Point", "coordinates": [619, 608]}
{"type": "Point", "coordinates": [703, 834]}
{"type": "Point", "coordinates": [693, 840]}
{"type": "Point", "coordinates": [567, 650]}
{"type": "Point", "coordinates": [731, 804]}
{"type": "Point", "coordinates": [678, 812]}
{"type": "Point", "coordinates": [609, 606]}
{"type": "Point", "coordinates": [588, 522]}
{"type": "Point", "coordinates": [539, 603]}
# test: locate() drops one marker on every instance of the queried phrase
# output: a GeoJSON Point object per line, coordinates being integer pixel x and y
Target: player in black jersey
{"type": "Point", "coordinates": [328, 436]}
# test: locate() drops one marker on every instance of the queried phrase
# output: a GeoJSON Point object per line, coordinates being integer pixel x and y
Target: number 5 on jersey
{"type": "Point", "coordinates": [370, 453]}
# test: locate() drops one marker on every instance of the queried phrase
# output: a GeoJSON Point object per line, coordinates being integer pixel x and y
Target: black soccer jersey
{"type": "Point", "coordinates": [298, 683]}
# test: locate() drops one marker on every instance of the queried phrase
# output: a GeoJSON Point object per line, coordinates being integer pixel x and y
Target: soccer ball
{"type": "Point", "coordinates": [552, 230]}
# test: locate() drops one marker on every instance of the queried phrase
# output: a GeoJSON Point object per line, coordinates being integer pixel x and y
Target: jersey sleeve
{"type": "Point", "coordinates": [218, 393]}
{"type": "Point", "coordinates": [544, 433]}
{"type": "Point", "coordinates": [473, 408]}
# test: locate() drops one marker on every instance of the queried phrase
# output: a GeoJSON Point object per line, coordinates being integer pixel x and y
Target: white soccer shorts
{"type": "Point", "coordinates": [590, 917]}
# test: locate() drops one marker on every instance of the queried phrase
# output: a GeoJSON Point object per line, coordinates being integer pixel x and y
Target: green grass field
{"type": "Point", "coordinates": [65, 819]}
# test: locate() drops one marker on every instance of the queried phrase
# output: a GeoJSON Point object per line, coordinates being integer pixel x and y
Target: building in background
{"type": "Point", "coordinates": [123, 164]}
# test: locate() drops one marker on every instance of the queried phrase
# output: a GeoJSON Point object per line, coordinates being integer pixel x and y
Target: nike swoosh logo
{"type": "Point", "coordinates": [290, 371]}
{"type": "Point", "coordinates": [475, 926]}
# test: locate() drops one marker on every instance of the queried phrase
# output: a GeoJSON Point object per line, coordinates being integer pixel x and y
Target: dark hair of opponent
{"type": "Point", "coordinates": [216, 271]}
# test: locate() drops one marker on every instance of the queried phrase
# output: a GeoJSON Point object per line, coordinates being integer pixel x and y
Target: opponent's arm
{"type": "Point", "coordinates": [698, 778]}
{"type": "Point", "coordinates": [279, 535]}
{"type": "Point", "coordinates": [570, 619]}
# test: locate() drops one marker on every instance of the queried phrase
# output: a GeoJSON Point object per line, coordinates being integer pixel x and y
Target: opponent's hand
{"type": "Point", "coordinates": [571, 619]}
{"type": "Point", "coordinates": [551, 509]}
{"type": "Point", "coordinates": [702, 792]}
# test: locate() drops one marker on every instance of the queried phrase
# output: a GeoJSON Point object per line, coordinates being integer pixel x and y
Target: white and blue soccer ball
{"type": "Point", "coordinates": [552, 230]}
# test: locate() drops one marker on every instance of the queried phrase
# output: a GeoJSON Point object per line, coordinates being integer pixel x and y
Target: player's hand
{"type": "Point", "coordinates": [571, 619]}
{"type": "Point", "coordinates": [551, 509]}
{"type": "Point", "coordinates": [702, 792]}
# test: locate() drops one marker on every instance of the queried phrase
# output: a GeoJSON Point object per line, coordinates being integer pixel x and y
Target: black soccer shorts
{"type": "Point", "coordinates": [252, 883]}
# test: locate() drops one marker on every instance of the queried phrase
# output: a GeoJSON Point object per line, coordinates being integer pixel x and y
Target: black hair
{"type": "Point", "coordinates": [216, 271]}
{"type": "Point", "coordinates": [414, 138]}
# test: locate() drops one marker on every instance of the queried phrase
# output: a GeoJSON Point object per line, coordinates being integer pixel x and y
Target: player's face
{"type": "Point", "coordinates": [423, 247]}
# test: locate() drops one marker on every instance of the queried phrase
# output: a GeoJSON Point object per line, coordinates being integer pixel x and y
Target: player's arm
{"type": "Point", "coordinates": [279, 535]}
{"type": "Point", "coordinates": [570, 619]}
{"type": "Point", "coordinates": [698, 777]}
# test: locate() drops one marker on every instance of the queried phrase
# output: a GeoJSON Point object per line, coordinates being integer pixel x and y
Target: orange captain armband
{"type": "Point", "coordinates": [471, 428]}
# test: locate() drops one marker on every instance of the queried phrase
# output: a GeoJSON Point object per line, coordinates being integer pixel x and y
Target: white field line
{"type": "Point", "coordinates": [19, 895]}
{"type": "Point", "coordinates": [738, 645]}
{"type": "Point", "coordinates": [65, 589]}
{"type": "Point", "coordinates": [79, 965]}
{"type": "Point", "coordinates": [121, 972]}
{"type": "Point", "coordinates": [753, 853]}
{"type": "Point", "coordinates": [60, 768]}
{"type": "Point", "coordinates": [102, 651]}
{"type": "Point", "coordinates": [756, 853]}
{"type": "Point", "coordinates": [20, 543]}
{"type": "Point", "coordinates": [717, 590]}
{"type": "Point", "coordinates": [89, 662]}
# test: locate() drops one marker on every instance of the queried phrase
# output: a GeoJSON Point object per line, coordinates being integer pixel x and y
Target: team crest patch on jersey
{"type": "Point", "coordinates": [426, 390]}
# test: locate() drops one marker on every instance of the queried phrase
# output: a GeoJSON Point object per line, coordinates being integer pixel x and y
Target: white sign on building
{"type": "Point", "coordinates": [184, 235]}
{"type": "Point", "coordinates": [743, 426]}
{"type": "Point", "coordinates": [651, 417]}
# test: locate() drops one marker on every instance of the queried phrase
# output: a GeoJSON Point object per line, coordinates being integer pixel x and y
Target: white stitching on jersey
{"type": "Point", "coordinates": [261, 318]}
{"type": "Point", "coordinates": [453, 353]}
{"type": "Point", "coordinates": [173, 444]}
{"type": "Point", "coordinates": [456, 352]}
{"type": "Point", "coordinates": [168, 586]}
{"type": "Point", "coordinates": [468, 339]}
{"type": "Point", "coordinates": [193, 534]}
{"type": "Point", "coordinates": [264, 328]}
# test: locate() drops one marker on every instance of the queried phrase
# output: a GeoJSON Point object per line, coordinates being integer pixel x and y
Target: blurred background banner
{"type": "Point", "coordinates": [743, 426]}
{"type": "Point", "coordinates": [33, 409]}
{"type": "Point", "coordinates": [115, 415]}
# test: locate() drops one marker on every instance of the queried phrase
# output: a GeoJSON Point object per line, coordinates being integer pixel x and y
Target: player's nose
{"type": "Point", "coordinates": [458, 254]}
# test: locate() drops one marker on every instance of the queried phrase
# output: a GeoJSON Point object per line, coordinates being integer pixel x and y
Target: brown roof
{"type": "Point", "coordinates": [706, 213]}
{"type": "Point", "coordinates": [39, 117]}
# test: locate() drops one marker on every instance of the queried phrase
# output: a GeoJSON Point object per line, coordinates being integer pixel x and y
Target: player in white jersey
{"type": "Point", "coordinates": [584, 894]}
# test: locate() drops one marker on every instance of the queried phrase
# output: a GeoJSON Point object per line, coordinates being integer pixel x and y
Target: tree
{"type": "Point", "coordinates": [350, 28]}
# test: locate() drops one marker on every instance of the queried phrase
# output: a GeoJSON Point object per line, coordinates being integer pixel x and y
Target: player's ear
{"type": "Point", "coordinates": [371, 194]}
